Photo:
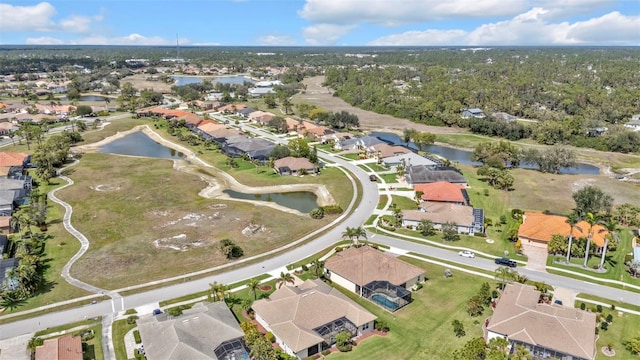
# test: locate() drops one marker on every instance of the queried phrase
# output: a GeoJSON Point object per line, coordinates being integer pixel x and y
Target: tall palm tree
{"type": "Point", "coordinates": [317, 268]}
{"type": "Point", "coordinates": [218, 290]}
{"type": "Point", "coordinates": [349, 232]}
{"type": "Point", "coordinates": [610, 226]}
{"type": "Point", "coordinates": [591, 219]}
{"type": "Point", "coordinates": [284, 279]}
{"type": "Point", "coordinates": [504, 274]}
{"type": "Point", "coordinates": [360, 232]}
{"type": "Point", "coordinates": [253, 285]}
{"type": "Point", "coordinates": [572, 220]}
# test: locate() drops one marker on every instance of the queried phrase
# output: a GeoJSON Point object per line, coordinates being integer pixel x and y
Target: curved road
{"type": "Point", "coordinates": [357, 218]}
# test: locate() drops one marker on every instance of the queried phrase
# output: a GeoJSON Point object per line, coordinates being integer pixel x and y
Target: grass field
{"type": "Point", "coordinates": [403, 202]}
{"type": "Point", "coordinates": [118, 330]}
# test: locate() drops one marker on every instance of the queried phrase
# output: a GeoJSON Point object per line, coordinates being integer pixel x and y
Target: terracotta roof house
{"type": "Point", "coordinates": [261, 117]}
{"type": "Point", "coordinates": [5, 225]}
{"type": "Point", "coordinates": [206, 331]}
{"type": "Point", "coordinates": [546, 330]}
{"type": "Point", "coordinates": [14, 159]}
{"type": "Point", "coordinates": [374, 275]}
{"type": "Point", "coordinates": [66, 347]}
{"type": "Point", "coordinates": [539, 228]}
{"type": "Point", "coordinates": [443, 191]}
{"type": "Point", "coordinates": [305, 319]}
{"type": "Point", "coordinates": [232, 108]}
{"type": "Point", "coordinates": [294, 166]}
{"type": "Point", "coordinates": [8, 128]}
{"type": "Point", "coordinates": [221, 135]}
{"type": "Point", "coordinates": [421, 174]}
{"type": "Point", "coordinates": [467, 219]}
{"type": "Point", "coordinates": [207, 126]}
{"type": "Point", "coordinates": [384, 150]}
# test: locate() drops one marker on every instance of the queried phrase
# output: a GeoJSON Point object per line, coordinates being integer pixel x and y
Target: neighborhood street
{"type": "Point", "coordinates": [276, 263]}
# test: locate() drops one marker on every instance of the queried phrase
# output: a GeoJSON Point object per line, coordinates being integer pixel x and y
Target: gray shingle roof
{"type": "Point", "coordinates": [421, 174]}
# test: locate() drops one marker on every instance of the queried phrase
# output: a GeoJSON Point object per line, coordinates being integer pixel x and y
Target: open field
{"type": "Point", "coordinates": [151, 222]}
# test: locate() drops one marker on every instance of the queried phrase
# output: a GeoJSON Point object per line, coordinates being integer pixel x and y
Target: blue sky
{"type": "Point", "coordinates": [322, 22]}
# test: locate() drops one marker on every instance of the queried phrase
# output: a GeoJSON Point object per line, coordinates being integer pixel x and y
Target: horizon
{"type": "Point", "coordinates": [322, 23]}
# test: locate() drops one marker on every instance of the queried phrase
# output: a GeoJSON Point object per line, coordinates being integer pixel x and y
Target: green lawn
{"type": "Point", "coordinates": [403, 202]}
{"type": "Point", "coordinates": [423, 330]}
{"type": "Point", "coordinates": [119, 329]}
{"type": "Point", "coordinates": [351, 156]}
{"type": "Point", "coordinates": [389, 178]}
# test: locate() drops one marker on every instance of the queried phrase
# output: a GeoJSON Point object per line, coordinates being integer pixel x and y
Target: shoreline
{"type": "Point", "coordinates": [220, 180]}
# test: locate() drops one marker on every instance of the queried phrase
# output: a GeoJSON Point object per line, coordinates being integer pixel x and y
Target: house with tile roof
{"type": "Point", "coordinates": [206, 331]}
{"type": "Point", "coordinates": [294, 166]}
{"type": "Point", "coordinates": [374, 275]}
{"type": "Point", "coordinates": [443, 191]}
{"type": "Point", "coordinates": [467, 219]}
{"type": "Point", "coordinates": [8, 158]}
{"type": "Point", "coordinates": [306, 318]}
{"type": "Point", "coordinates": [67, 347]}
{"type": "Point", "coordinates": [384, 150]}
{"type": "Point", "coordinates": [537, 229]}
{"type": "Point", "coordinates": [546, 330]}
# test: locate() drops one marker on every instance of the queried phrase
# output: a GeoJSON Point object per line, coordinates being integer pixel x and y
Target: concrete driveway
{"type": "Point", "coordinates": [568, 297]}
{"type": "Point", "coordinates": [15, 348]}
{"type": "Point", "coordinates": [536, 256]}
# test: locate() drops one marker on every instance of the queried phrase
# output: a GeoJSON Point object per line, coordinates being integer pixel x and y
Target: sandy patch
{"type": "Point", "coordinates": [105, 187]}
{"type": "Point", "coordinates": [218, 180]}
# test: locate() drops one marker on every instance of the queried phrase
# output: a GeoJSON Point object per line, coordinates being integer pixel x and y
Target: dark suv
{"type": "Point", "coordinates": [506, 262]}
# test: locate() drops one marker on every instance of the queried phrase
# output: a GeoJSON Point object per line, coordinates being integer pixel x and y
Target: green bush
{"type": "Point", "coordinates": [599, 308]}
{"type": "Point", "coordinates": [332, 209]}
{"type": "Point", "coordinates": [381, 325]}
{"type": "Point", "coordinates": [344, 347]}
{"type": "Point", "coordinates": [136, 336]}
{"type": "Point", "coordinates": [604, 326]}
{"type": "Point", "coordinates": [583, 306]}
{"type": "Point", "coordinates": [270, 337]}
{"type": "Point", "coordinates": [339, 248]}
{"type": "Point", "coordinates": [326, 352]}
{"type": "Point", "coordinates": [132, 319]}
{"type": "Point", "coordinates": [317, 213]}
{"type": "Point", "coordinates": [609, 318]}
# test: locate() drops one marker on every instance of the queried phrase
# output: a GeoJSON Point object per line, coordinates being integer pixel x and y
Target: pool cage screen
{"type": "Point", "coordinates": [329, 331]}
{"type": "Point", "coordinates": [232, 350]}
{"type": "Point", "coordinates": [396, 294]}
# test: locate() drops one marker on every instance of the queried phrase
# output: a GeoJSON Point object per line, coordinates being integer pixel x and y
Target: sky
{"type": "Point", "coordinates": [322, 22]}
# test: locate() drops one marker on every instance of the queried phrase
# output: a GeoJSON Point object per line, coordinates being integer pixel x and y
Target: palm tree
{"type": "Point", "coordinates": [284, 279]}
{"type": "Point", "coordinates": [253, 285]}
{"type": "Point", "coordinates": [349, 233]}
{"type": "Point", "coordinates": [218, 290]}
{"type": "Point", "coordinates": [503, 274]}
{"type": "Point", "coordinates": [610, 226]}
{"type": "Point", "coordinates": [591, 219]}
{"type": "Point", "coordinates": [317, 268]}
{"type": "Point", "coordinates": [360, 232]}
{"type": "Point", "coordinates": [572, 220]}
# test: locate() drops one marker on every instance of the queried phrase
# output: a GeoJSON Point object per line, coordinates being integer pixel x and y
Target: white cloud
{"type": "Point", "coordinates": [27, 18]}
{"type": "Point", "coordinates": [558, 9]}
{"type": "Point", "coordinates": [325, 34]}
{"type": "Point", "coordinates": [132, 39]}
{"type": "Point", "coordinates": [396, 12]}
{"type": "Point", "coordinates": [275, 40]}
{"type": "Point", "coordinates": [530, 28]}
{"type": "Point", "coordinates": [39, 18]}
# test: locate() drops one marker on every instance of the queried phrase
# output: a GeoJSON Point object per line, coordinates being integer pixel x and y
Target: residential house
{"type": "Point", "coordinates": [546, 330]}
{"type": "Point", "coordinates": [409, 160]}
{"type": "Point", "coordinates": [13, 193]}
{"type": "Point", "coordinates": [5, 224]}
{"type": "Point", "coordinates": [422, 174]}
{"type": "Point", "coordinates": [4, 244]}
{"type": "Point", "coordinates": [221, 135]}
{"type": "Point", "coordinates": [473, 113]}
{"type": "Point", "coordinates": [67, 347]}
{"type": "Point", "coordinates": [537, 230]}
{"type": "Point", "coordinates": [206, 331]}
{"type": "Point", "coordinates": [442, 191]}
{"type": "Point", "coordinates": [357, 143]}
{"type": "Point", "coordinates": [260, 92]}
{"type": "Point", "coordinates": [294, 166]}
{"type": "Point", "coordinates": [7, 128]}
{"type": "Point", "coordinates": [633, 125]}
{"type": "Point", "coordinates": [231, 108]}
{"type": "Point", "coordinates": [305, 319]}
{"type": "Point", "coordinates": [14, 159]}
{"type": "Point", "coordinates": [374, 275]}
{"type": "Point", "coordinates": [261, 117]}
{"type": "Point", "coordinates": [467, 219]}
{"type": "Point", "coordinates": [246, 112]}
{"type": "Point", "coordinates": [207, 126]}
{"type": "Point", "coordinates": [384, 150]}
{"type": "Point", "coordinates": [255, 148]}
{"type": "Point", "coordinates": [503, 116]}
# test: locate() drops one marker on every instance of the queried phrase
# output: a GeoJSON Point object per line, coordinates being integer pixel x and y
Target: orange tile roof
{"type": "Point", "coordinates": [12, 159]}
{"type": "Point", "coordinates": [441, 191]}
{"type": "Point", "coordinates": [542, 227]}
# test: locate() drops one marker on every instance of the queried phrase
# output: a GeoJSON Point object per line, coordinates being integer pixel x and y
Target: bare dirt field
{"type": "Point", "coordinates": [323, 98]}
{"type": "Point", "coordinates": [139, 81]}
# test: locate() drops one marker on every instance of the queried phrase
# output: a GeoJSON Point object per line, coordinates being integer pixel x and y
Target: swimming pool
{"type": "Point", "coordinates": [385, 301]}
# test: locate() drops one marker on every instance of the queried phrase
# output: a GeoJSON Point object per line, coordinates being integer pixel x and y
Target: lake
{"type": "Point", "coordinates": [88, 98]}
{"type": "Point", "coordinates": [302, 201]}
{"type": "Point", "coordinates": [185, 80]}
{"type": "Point", "coordinates": [139, 144]}
{"type": "Point", "coordinates": [464, 156]}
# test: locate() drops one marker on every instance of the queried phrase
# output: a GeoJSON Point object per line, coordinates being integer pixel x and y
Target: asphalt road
{"type": "Point", "coordinates": [277, 262]}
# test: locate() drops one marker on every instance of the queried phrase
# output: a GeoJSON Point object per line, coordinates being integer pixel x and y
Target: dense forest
{"type": "Point", "coordinates": [571, 91]}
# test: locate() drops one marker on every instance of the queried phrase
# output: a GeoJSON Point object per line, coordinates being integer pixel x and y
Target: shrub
{"type": "Point", "coordinates": [338, 248]}
{"type": "Point", "coordinates": [381, 325]}
{"type": "Point", "coordinates": [609, 318]}
{"type": "Point", "coordinates": [269, 335]}
{"type": "Point", "coordinates": [458, 328]}
{"type": "Point", "coordinates": [583, 306]}
{"type": "Point", "coordinates": [326, 352]}
{"type": "Point", "coordinates": [136, 336]}
{"type": "Point", "coordinates": [317, 213]}
{"type": "Point", "coordinates": [332, 209]}
{"type": "Point", "coordinates": [516, 214]}
{"type": "Point", "coordinates": [344, 347]}
{"type": "Point", "coordinates": [304, 267]}
{"type": "Point", "coordinates": [599, 308]}
{"type": "Point", "coordinates": [604, 326]}
{"type": "Point", "coordinates": [132, 319]}
{"type": "Point", "coordinates": [613, 307]}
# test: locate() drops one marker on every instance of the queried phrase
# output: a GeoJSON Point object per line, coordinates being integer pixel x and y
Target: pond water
{"type": "Point", "coordinates": [464, 156]}
{"type": "Point", "coordinates": [185, 80]}
{"type": "Point", "coordinates": [302, 201]}
{"type": "Point", "coordinates": [139, 144]}
{"type": "Point", "coordinates": [88, 98]}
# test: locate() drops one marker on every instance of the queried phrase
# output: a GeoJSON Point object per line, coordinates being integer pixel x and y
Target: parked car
{"type": "Point", "coordinates": [506, 262]}
{"type": "Point", "coordinates": [559, 302]}
{"type": "Point", "coordinates": [467, 254]}
{"type": "Point", "coordinates": [157, 312]}
{"type": "Point", "coordinates": [373, 178]}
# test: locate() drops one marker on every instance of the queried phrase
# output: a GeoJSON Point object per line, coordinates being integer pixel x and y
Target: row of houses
{"type": "Point", "coordinates": [15, 187]}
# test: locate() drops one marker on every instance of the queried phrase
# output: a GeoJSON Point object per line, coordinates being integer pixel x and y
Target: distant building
{"type": "Point", "coordinates": [473, 113]}
{"type": "Point", "coordinates": [421, 174]}
{"type": "Point", "coordinates": [467, 219]}
{"type": "Point", "coordinates": [633, 124]}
